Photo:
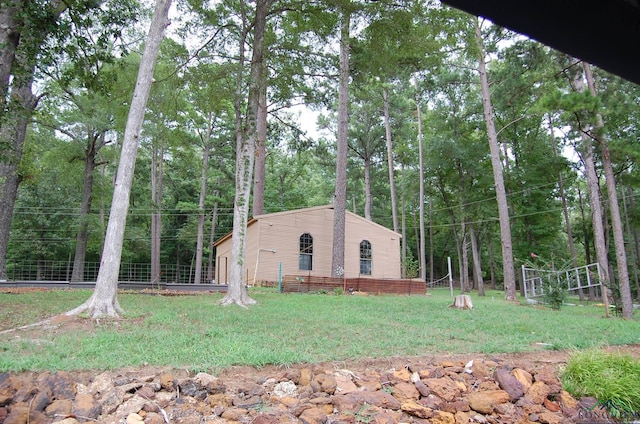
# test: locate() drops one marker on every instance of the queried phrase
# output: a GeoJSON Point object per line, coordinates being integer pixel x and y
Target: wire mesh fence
{"type": "Point", "coordinates": [129, 272]}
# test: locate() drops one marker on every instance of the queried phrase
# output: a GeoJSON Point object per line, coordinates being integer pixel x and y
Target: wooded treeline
{"type": "Point", "coordinates": [471, 141]}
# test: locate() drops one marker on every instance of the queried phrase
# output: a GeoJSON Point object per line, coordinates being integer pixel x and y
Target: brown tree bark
{"type": "Point", "coordinates": [477, 263]}
{"type": "Point", "coordinates": [403, 220]}
{"type": "Point", "coordinates": [614, 208]}
{"type": "Point", "coordinates": [636, 243]}
{"type": "Point", "coordinates": [423, 242]}
{"type": "Point", "coordinates": [21, 108]}
{"type": "Point", "coordinates": [94, 144]}
{"type": "Point", "coordinates": [197, 277]}
{"type": "Point", "coordinates": [565, 209]}
{"type": "Point", "coordinates": [501, 193]}
{"type": "Point", "coordinates": [390, 164]}
{"type": "Point", "coordinates": [633, 239]}
{"type": "Point", "coordinates": [157, 166]}
{"type": "Point", "coordinates": [464, 258]}
{"type": "Point", "coordinates": [340, 195]}
{"type": "Point", "coordinates": [261, 151]}
{"type": "Point", "coordinates": [593, 185]}
{"type": "Point", "coordinates": [212, 236]}
{"type": "Point", "coordinates": [10, 28]}
{"type": "Point", "coordinates": [367, 187]}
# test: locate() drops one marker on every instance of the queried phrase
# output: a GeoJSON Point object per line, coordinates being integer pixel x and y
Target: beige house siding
{"type": "Point", "coordinates": [273, 246]}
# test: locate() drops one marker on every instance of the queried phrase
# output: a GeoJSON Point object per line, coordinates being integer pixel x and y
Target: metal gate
{"type": "Point", "coordinates": [575, 279]}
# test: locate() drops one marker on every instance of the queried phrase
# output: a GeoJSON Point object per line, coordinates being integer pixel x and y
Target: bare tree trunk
{"type": "Point", "coordinates": [636, 244]}
{"type": "Point", "coordinates": [157, 165]}
{"type": "Point", "coordinates": [246, 134]}
{"type": "Point", "coordinates": [101, 213]}
{"type": "Point", "coordinates": [431, 248]}
{"type": "Point", "coordinates": [367, 187]}
{"type": "Point", "coordinates": [596, 217]}
{"type": "Point", "coordinates": [104, 301]}
{"type": "Point", "coordinates": [565, 209]}
{"type": "Point", "coordinates": [261, 151]}
{"type": "Point", "coordinates": [459, 235]}
{"type": "Point", "coordinates": [9, 38]}
{"type": "Point", "coordinates": [197, 277]}
{"type": "Point", "coordinates": [392, 179]}
{"type": "Point", "coordinates": [20, 43]}
{"type": "Point", "coordinates": [563, 199]}
{"type": "Point", "coordinates": [587, 244]}
{"type": "Point", "coordinates": [501, 193]}
{"type": "Point", "coordinates": [464, 258]}
{"type": "Point", "coordinates": [12, 133]}
{"type": "Point", "coordinates": [340, 196]}
{"type": "Point", "coordinates": [423, 243]}
{"type": "Point", "coordinates": [614, 209]}
{"type": "Point", "coordinates": [404, 226]}
{"type": "Point", "coordinates": [629, 234]}
{"type": "Point", "coordinates": [464, 233]}
{"type": "Point", "coordinates": [416, 233]}
{"type": "Point", "coordinates": [477, 264]}
{"type": "Point", "coordinates": [85, 208]}
{"type": "Point", "coordinates": [212, 235]}
{"type": "Point", "coordinates": [593, 184]}
{"type": "Point", "coordinates": [492, 263]}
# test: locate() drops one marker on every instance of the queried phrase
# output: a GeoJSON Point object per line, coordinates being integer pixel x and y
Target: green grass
{"type": "Point", "coordinates": [195, 332]}
{"type": "Point", "coordinates": [613, 379]}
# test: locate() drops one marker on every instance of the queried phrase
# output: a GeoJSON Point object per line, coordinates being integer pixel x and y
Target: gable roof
{"type": "Point", "coordinates": [297, 211]}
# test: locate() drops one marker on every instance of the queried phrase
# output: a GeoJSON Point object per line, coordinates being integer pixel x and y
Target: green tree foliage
{"type": "Point", "coordinates": [197, 98]}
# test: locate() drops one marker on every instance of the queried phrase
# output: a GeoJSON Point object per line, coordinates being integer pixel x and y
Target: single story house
{"type": "Point", "coordinates": [299, 242]}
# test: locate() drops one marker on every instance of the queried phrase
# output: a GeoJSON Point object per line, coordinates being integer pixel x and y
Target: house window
{"type": "Point", "coordinates": [365, 257]}
{"type": "Point", "coordinates": [306, 252]}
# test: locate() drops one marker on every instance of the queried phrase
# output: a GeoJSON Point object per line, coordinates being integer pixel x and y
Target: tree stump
{"type": "Point", "coordinates": [462, 301]}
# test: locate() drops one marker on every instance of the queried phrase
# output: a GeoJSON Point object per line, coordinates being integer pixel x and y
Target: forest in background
{"type": "Point", "coordinates": [419, 160]}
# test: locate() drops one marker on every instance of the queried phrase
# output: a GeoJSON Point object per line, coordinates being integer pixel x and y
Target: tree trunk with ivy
{"type": "Point", "coordinates": [261, 151]}
{"type": "Point", "coordinates": [246, 135]}
{"type": "Point", "coordinates": [340, 195]}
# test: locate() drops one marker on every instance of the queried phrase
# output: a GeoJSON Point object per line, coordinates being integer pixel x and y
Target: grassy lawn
{"type": "Point", "coordinates": [194, 332]}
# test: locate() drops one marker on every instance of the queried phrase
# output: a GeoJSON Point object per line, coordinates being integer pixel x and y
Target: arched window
{"type": "Point", "coordinates": [306, 252]}
{"type": "Point", "coordinates": [365, 257]}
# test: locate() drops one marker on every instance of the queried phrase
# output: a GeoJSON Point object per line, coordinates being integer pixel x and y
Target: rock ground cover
{"type": "Point", "coordinates": [502, 388]}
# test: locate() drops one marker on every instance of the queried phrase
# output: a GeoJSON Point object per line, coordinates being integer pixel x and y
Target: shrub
{"type": "Point", "coordinates": [555, 291]}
